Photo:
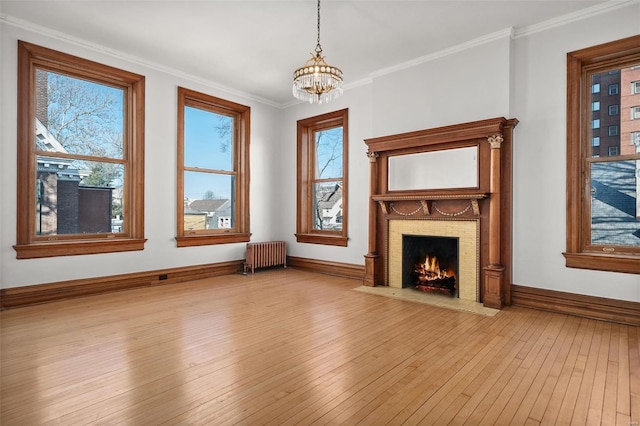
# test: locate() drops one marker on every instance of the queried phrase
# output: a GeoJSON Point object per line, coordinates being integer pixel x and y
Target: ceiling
{"type": "Point", "coordinates": [253, 47]}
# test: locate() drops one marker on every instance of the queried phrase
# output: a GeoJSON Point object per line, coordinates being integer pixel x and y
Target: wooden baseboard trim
{"type": "Point", "coordinates": [50, 292]}
{"type": "Point", "coordinates": [601, 308]}
{"type": "Point", "coordinates": [345, 270]}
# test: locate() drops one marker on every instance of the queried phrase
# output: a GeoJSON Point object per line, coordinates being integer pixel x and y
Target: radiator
{"type": "Point", "coordinates": [265, 254]}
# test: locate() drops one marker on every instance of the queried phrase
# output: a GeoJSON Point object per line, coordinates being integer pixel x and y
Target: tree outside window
{"type": "Point", "coordinates": [213, 170]}
{"type": "Point", "coordinates": [322, 183]}
{"type": "Point", "coordinates": [80, 162]}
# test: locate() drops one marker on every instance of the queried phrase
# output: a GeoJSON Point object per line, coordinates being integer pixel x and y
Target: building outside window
{"type": "Point", "coordinates": [213, 170]}
{"type": "Point", "coordinates": [80, 162]}
{"type": "Point", "coordinates": [602, 228]}
{"type": "Point", "coordinates": [322, 179]}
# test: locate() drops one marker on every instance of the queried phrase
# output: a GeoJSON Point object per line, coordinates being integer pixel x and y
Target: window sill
{"type": "Point", "coordinates": [604, 262]}
{"type": "Point", "coordinates": [206, 240]}
{"type": "Point", "coordinates": [329, 240]}
{"type": "Point", "coordinates": [74, 248]}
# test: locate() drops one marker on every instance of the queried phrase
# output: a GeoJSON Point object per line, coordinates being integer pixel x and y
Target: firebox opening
{"type": "Point", "coordinates": [430, 264]}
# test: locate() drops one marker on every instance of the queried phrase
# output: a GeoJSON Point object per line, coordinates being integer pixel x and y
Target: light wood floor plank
{"type": "Point", "coordinates": [288, 347]}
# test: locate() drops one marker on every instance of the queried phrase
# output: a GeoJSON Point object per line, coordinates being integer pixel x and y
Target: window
{"type": "Point", "coordinates": [635, 139]}
{"type": "Point", "coordinates": [613, 130]}
{"type": "Point", "coordinates": [602, 192]}
{"type": "Point", "coordinates": [595, 141]}
{"type": "Point", "coordinates": [322, 179]}
{"type": "Point", "coordinates": [595, 124]}
{"type": "Point", "coordinates": [614, 109]}
{"type": "Point", "coordinates": [635, 113]}
{"type": "Point", "coordinates": [595, 88]}
{"type": "Point", "coordinates": [595, 106]}
{"type": "Point", "coordinates": [614, 89]}
{"type": "Point", "coordinates": [635, 87]}
{"type": "Point", "coordinates": [80, 156]}
{"type": "Point", "coordinates": [213, 170]}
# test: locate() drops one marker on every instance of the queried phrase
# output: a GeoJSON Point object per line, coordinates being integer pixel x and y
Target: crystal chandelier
{"type": "Point", "coordinates": [317, 81]}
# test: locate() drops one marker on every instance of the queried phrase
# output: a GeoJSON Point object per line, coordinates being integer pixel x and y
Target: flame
{"type": "Point", "coordinates": [430, 270]}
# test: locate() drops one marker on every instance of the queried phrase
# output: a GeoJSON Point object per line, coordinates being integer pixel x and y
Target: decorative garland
{"type": "Point", "coordinates": [450, 214]}
{"type": "Point", "coordinates": [407, 214]}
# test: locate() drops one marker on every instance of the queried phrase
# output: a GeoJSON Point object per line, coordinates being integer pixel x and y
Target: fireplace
{"type": "Point", "coordinates": [465, 233]}
{"type": "Point", "coordinates": [466, 202]}
{"type": "Point", "coordinates": [430, 264]}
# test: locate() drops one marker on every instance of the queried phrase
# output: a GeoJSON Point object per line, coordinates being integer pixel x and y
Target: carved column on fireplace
{"type": "Point", "coordinates": [489, 201]}
{"type": "Point", "coordinates": [493, 273]}
{"type": "Point", "coordinates": [370, 264]}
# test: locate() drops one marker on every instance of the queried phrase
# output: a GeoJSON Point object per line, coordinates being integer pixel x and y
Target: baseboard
{"type": "Point", "coordinates": [41, 293]}
{"type": "Point", "coordinates": [601, 308]}
{"type": "Point", "coordinates": [345, 270]}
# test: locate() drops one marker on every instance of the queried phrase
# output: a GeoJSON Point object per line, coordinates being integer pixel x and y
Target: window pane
{"type": "Point", "coordinates": [208, 140]}
{"type": "Point", "coordinates": [208, 202]}
{"type": "Point", "coordinates": [327, 202]}
{"type": "Point", "coordinates": [74, 197]}
{"type": "Point", "coordinates": [329, 153]}
{"type": "Point", "coordinates": [77, 116]}
{"type": "Point", "coordinates": [614, 203]}
{"type": "Point", "coordinates": [613, 88]}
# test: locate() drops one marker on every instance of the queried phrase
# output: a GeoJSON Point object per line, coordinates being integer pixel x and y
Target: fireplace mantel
{"type": "Point", "coordinates": [489, 202]}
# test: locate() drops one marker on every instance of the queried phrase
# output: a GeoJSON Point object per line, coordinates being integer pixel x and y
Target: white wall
{"type": "Point", "coordinates": [539, 94]}
{"type": "Point", "coordinates": [160, 174]}
{"type": "Point", "coordinates": [521, 77]}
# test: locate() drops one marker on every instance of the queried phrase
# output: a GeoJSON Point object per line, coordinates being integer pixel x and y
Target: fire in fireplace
{"type": "Point", "coordinates": [430, 263]}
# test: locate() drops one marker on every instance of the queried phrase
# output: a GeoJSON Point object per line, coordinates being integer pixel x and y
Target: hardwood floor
{"type": "Point", "coordinates": [292, 347]}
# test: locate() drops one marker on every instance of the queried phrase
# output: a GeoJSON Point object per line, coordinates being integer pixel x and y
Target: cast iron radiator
{"type": "Point", "coordinates": [265, 254]}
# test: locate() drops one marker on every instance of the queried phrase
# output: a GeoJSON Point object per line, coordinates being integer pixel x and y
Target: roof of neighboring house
{"type": "Point", "coordinates": [45, 141]}
{"type": "Point", "coordinates": [327, 199]}
{"type": "Point", "coordinates": [208, 205]}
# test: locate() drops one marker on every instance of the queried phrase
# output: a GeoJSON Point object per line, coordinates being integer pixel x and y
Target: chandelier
{"type": "Point", "coordinates": [317, 81]}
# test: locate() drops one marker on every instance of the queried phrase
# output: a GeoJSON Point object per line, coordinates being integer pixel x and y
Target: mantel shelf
{"type": "Point", "coordinates": [432, 197]}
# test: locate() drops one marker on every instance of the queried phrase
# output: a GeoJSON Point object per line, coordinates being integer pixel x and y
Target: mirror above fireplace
{"type": "Point", "coordinates": [444, 169]}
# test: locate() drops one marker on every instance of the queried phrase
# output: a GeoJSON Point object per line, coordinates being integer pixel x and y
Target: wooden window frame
{"type": "Point", "coordinates": [28, 244]}
{"type": "Point", "coordinates": [305, 167]}
{"type": "Point", "coordinates": [242, 119]}
{"type": "Point", "coordinates": [579, 252]}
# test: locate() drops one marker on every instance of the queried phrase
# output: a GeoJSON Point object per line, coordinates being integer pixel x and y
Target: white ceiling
{"type": "Point", "coordinates": [254, 46]}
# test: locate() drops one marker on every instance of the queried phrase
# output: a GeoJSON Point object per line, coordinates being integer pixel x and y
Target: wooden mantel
{"type": "Point", "coordinates": [490, 201]}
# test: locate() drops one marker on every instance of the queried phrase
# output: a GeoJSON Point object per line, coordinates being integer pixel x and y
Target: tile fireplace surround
{"type": "Point", "coordinates": [485, 251]}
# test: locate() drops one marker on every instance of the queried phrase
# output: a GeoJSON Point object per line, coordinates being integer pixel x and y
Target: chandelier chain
{"type": "Point", "coordinates": [318, 47]}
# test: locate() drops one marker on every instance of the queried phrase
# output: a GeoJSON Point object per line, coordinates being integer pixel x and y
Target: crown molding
{"type": "Point", "coordinates": [574, 17]}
